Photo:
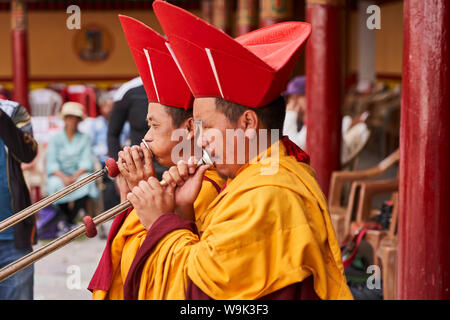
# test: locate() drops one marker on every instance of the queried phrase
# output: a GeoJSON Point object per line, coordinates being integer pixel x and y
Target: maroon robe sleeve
{"type": "Point", "coordinates": [161, 227]}
{"type": "Point", "coordinates": [101, 279]}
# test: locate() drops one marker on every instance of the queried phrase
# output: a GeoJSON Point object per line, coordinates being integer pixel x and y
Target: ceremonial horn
{"type": "Point", "coordinates": [88, 227]}
{"type": "Point", "coordinates": [110, 168]}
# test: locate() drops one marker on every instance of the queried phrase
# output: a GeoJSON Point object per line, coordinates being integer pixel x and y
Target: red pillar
{"type": "Point", "coordinates": [324, 88]}
{"type": "Point", "coordinates": [424, 217]}
{"type": "Point", "coordinates": [20, 52]}
{"type": "Point", "coordinates": [247, 16]}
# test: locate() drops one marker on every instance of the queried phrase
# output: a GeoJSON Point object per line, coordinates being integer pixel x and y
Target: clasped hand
{"type": "Point", "coordinates": [151, 200]}
{"type": "Point", "coordinates": [135, 164]}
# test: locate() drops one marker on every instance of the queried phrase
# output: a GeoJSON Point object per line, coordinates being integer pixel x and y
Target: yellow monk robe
{"type": "Point", "coordinates": [132, 233]}
{"type": "Point", "coordinates": [261, 234]}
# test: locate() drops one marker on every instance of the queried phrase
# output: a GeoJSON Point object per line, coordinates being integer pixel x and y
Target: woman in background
{"type": "Point", "coordinates": [70, 158]}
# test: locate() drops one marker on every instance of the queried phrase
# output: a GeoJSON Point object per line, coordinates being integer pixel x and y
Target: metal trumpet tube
{"type": "Point", "coordinates": [40, 253]}
{"type": "Point", "coordinates": [110, 168]}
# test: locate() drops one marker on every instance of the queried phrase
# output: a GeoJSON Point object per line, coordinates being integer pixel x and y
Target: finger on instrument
{"type": "Point", "coordinates": [183, 170]}
{"type": "Point", "coordinates": [154, 184]}
{"type": "Point", "coordinates": [173, 171]}
{"type": "Point", "coordinates": [168, 179]}
{"type": "Point", "coordinates": [128, 159]}
{"type": "Point", "coordinates": [137, 159]}
{"type": "Point", "coordinates": [192, 165]}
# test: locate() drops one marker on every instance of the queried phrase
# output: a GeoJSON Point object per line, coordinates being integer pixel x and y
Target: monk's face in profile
{"type": "Point", "coordinates": [225, 141]}
{"type": "Point", "coordinates": [160, 131]}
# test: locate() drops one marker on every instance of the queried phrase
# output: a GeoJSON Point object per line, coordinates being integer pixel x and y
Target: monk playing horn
{"type": "Point", "coordinates": [170, 138]}
{"type": "Point", "coordinates": [268, 234]}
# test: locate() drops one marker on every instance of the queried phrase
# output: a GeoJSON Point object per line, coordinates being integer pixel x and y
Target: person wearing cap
{"type": "Point", "coordinates": [355, 132]}
{"type": "Point", "coordinates": [294, 122]}
{"type": "Point", "coordinates": [70, 157]}
{"type": "Point", "coordinates": [169, 138]}
{"type": "Point", "coordinates": [269, 234]}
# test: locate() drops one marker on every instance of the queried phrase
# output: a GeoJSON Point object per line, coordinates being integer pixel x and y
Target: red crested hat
{"type": "Point", "coordinates": [162, 80]}
{"type": "Point", "coordinates": [251, 70]}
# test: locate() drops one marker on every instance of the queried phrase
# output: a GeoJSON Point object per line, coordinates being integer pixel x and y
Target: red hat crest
{"type": "Point", "coordinates": [161, 77]}
{"type": "Point", "coordinates": [251, 70]}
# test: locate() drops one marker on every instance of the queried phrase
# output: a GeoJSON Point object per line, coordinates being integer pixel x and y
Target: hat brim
{"type": "Point", "coordinates": [64, 115]}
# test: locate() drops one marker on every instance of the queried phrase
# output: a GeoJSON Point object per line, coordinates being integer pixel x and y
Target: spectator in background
{"type": "Point", "coordinates": [355, 132]}
{"type": "Point", "coordinates": [16, 145]}
{"type": "Point", "coordinates": [4, 93]}
{"type": "Point", "coordinates": [294, 120]}
{"type": "Point", "coordinates": [70, 158]}
{"type": "Point", "coordinates": [130, 103]}
{"type": "Point", "coordinates": [99, 134]}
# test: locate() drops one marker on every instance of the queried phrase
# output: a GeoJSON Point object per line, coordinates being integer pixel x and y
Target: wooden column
{"type": "Point", "coordinates": [247, 16]}
{"type": "Point", "coordinates": [207, 10]}
{"type": "Point", "coordinates": [222, 15]}
{"type": "Point", "coordinates": [424, 217]}
{"type": "Point", "coordinates": [274, 11]}
{"type": "Point", "coordinates": [366, 45]}
{"type": "Point", "coordinates": [20, 52]}
{"type": "Point", "coordinates": [324, 86]}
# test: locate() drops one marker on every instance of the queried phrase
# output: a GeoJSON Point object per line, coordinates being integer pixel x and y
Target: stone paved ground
{"type": "Point", "coordinates": [65, 273]}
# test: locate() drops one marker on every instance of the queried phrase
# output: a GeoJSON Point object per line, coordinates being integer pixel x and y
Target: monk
{"type": "Point", "coordinates": [268, 234]}
{"type": "Point", "coordinates": [169, 111]}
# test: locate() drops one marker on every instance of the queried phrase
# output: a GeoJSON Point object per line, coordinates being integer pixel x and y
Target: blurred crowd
{"type": "Point", "coordinates": [77, 128]}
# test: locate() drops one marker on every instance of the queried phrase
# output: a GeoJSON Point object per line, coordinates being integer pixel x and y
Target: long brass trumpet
{"type": "Point", "coordinates": [88, 228]}
{"type": "Point", "coordinates": [110, 168]}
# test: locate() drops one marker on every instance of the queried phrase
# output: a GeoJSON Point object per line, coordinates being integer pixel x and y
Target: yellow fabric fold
{"type": "Point", "coordinates": [132, 234]}
{"type": "Point", "coordinates": [261, 234]}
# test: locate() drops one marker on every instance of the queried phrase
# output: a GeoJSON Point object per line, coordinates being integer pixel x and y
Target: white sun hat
{"type": "Point", "coordinates": [73, 109]}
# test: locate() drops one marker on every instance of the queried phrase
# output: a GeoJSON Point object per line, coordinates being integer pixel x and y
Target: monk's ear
{"type": "Point", "coordinates": [189, 126]}
{"type": "Point", "coordinates": [248, 120]}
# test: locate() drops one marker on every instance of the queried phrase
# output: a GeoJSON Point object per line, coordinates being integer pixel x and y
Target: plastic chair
{"type": "Point", "coordinates": [44, 102]}
{"type": "Point", "coordinates": [84, 95]}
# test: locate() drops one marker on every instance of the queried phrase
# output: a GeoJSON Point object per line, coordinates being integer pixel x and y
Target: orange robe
{"type": "Point", "coordinates": [264, 232]}
{"type": "Point", "coordinates": [131, 235]}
